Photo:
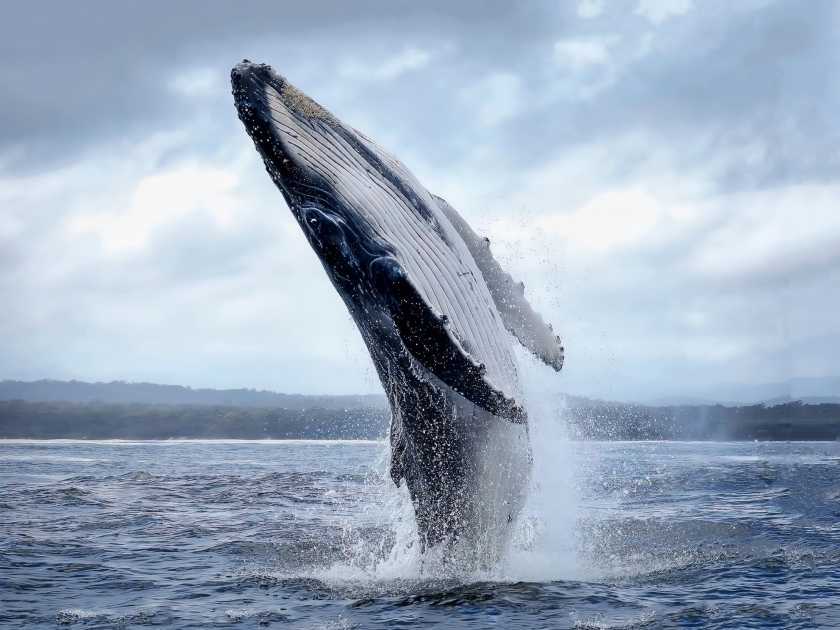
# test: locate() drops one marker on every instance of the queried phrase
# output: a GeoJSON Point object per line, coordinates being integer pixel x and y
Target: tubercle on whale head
{"type": "Point", "coordinates": [247, 72]}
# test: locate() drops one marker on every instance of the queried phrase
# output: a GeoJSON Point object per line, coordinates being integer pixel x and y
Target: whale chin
{"type": "Point", "coordinates": [436, 311]}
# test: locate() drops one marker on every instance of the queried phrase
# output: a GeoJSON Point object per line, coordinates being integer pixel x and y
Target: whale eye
{"type": "Point", "coordinates": [313, 221]}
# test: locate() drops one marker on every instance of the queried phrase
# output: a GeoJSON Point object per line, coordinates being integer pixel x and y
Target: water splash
{"type": "Point", "coordinates": [542, 544]}
{"type": "Point", "coordinates": [543, 547]}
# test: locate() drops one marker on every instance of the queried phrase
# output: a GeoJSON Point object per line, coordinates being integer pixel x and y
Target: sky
{"type": "Point", "coordinates": [661, 174]}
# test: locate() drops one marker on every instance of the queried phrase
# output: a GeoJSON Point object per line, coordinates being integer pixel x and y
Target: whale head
{"type": "Point", "coordinates": [306, 153]}
{"type": "Point", "coordinates": [403, 271]}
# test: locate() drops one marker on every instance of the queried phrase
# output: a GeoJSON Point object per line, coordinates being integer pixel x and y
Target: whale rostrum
{"type": "Point", "coordinates": [433, 306]}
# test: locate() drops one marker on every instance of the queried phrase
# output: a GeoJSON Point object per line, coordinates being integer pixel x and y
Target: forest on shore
{"type": "Point", "coordinates": [143, 421]}
{"type": "Point", "coordinates": [585, 420]}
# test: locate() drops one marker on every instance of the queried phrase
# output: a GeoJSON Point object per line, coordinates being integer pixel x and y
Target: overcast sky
{"type": "Point", "coordinates": [662, 175]}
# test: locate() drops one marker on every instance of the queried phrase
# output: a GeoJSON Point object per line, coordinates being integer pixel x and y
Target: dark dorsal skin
{"type": "Point", "coordinates": [403, 263]}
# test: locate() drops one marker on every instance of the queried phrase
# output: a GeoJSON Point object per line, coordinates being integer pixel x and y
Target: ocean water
{"type": "Point", "coordinates": [313, 535]}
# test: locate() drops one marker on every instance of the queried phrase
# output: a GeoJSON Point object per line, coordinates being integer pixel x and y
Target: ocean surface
{"type": "Point", "coordinates": [312, 535]}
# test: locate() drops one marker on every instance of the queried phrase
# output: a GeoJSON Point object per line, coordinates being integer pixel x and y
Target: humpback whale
{"type": "Point", "coordinates": [433, 306]}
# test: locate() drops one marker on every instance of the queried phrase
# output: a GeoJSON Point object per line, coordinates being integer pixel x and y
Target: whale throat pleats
{"type": "Point", "coordinates": [517, 314]}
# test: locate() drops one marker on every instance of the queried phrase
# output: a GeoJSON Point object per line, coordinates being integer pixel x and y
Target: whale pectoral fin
{"type": "Point", "coordinates": [517, 315]}
{"type": "Point", "coordinates": [426, 337]}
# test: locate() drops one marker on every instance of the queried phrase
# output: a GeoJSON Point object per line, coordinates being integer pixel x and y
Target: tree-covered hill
{"type": "Point", "coordinates": [135, 421]}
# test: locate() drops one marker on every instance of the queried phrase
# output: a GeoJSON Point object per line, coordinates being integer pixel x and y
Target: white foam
{"type": "Point", "coordinates": [543, 544]}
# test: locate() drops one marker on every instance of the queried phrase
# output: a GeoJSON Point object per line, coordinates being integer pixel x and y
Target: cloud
{"type": "Point", "coordinates": [116, 66]}
{"type": "Point", "coordinates": [668, 286]}
{"type": "Point", "coordinates": [610, 219]}
{"type": "Point", "coordinates": [161, 199]}
{"type": "Point", "coordinates": [406, 61]}
{"type": "Point", "coordinates": [583, 52]}
{"type": "Point", "coordinates": [657, 11]}
{"type": "Point", "coordinates": [783, 39]}
{"type": "Point", "coordinates": [494, 98]}
{"type": "Point", "coordinates": [767, 240]}
{"type": "Point", "coordinates": [191, 271]}
{"type": "Point", "coordinates": [200, 83]}
{"type": "Point", "coordinates": [667, 195]}
{"type": "Point", "coordinates": [590, 8]}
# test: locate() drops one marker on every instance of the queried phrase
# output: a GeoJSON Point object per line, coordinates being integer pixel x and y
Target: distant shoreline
{"type": "Point", "coordinates": [585, 420]}
{"type": "Point", "coordinates": [138, 421]}
{"type": "Point", "coordinates": [383, 442]}
{"type": "Point", "coordinates": [789, 422]}
{"type": "Point", "coordinates": [118, 442]}
{"type": "Point", "coordinates": [57, 410]}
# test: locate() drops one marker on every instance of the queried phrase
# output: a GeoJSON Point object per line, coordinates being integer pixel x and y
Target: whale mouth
{"type": "Point", "coordinates": [249, 85]}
